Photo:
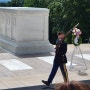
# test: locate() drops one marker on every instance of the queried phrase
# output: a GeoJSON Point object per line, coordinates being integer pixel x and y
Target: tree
{"type": "Point", "coordinates": [16, 3]}
{"type": "Point", "coordinates": [66, 13]}
{"type": "Point", "coordinates": [37, 3]}
{"type": "Point", "coordinates": [3, 4]}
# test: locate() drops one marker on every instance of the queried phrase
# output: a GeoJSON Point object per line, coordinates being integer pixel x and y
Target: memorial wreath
{"type": "Point", "coordinates": [76, 37]}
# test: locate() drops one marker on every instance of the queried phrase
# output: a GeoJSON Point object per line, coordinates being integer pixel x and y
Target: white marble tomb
{"type": "Point", "coordinates": [24, 30]}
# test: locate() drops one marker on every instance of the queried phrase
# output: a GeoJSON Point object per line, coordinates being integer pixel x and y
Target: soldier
{"type": "Point", "coordinates": [60, 60]}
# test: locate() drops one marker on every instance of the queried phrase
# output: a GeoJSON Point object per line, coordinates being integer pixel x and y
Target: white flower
{"type": "Point", "coordinates": [76, 31]}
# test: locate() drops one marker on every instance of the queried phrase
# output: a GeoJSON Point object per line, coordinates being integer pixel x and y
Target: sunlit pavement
{"type": "Point", "coordinates": [26, 72]}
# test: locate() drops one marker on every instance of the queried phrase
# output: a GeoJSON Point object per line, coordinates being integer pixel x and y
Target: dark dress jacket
{"type": "Point", "coordinates": [60, 54]}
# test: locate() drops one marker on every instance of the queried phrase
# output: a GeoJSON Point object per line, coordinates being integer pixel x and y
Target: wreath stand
{"type": "Point", "coordinates": [77, 48]}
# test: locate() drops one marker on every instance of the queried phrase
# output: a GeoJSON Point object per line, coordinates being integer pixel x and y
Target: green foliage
{"type": "Point", "coordinates": [66, 13]}
{"type": "Point", "coordinates": [37, 3]}
{"type": "Point", "coordinates": [3, 5]}
{"type": "Point", "coordinates": [16, 3]}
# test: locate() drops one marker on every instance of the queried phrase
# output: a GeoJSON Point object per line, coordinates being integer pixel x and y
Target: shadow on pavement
{"type": "Point", "coordinates": [34, 55]}
{"type": "Point", "coordinates": [43, 87]}
{"type": "Point", "coordinates": [40, 87]}
{"type": "Point", "coordinates": [86, 81]}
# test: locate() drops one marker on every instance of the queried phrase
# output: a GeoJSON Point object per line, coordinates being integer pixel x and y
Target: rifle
{"type": "Point", "coordinates": [70, 30]}
{"type": "Point", "coordinates": [60, 41]}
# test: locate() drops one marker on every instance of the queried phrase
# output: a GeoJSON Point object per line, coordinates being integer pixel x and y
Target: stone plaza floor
{"type": "Point", "coordinates": [25, 72]}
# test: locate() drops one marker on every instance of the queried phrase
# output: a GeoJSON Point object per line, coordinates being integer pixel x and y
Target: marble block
{"type": "Point", "coordinates": [24, 30]}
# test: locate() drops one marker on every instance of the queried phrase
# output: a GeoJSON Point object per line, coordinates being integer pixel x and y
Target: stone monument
{"type": "Point", "coordinates": [24, 30]}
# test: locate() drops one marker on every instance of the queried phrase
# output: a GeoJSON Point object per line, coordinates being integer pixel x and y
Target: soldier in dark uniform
{"type": "Point", "coordinates": [60, 60]}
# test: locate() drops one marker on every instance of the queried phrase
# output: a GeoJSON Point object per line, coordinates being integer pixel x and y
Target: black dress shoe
{"type": "Point", "coordinates": [46, 83]}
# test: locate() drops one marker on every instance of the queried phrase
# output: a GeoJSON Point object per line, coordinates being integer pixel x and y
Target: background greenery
{"type": "Point", "coordinates": [64, 14]}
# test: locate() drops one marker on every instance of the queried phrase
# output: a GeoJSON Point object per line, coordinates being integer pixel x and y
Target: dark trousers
{"type": "Point", "coordinates": [54, 70]}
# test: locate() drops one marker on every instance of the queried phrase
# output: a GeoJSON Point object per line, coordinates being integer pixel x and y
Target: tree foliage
{"type": "Point", "coordinates": [3, 4]}
{"type": "Point", "coordinates": [36, 3]}
{"type": "Point", "coordinates": [66, 13]}
{"type": "Point", "coordinates": [16, 3]}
